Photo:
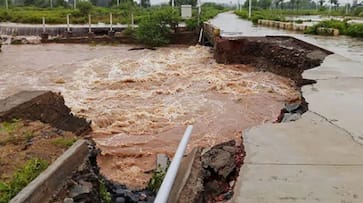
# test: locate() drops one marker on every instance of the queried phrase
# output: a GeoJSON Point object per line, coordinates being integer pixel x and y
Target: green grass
{"type": "Point", "coordinates": [262, 14]}
{"type": "Point", "coordinates": [105, 195]}
{"type": "Point", "coordinates": [121, 14]}
{"type": "Point", "coordinates": [64, 142]}
{"type": "Point", "coordinates": [353, 30]}
{"type": "Point", "coordinates": [10, 127]}
{"type": "Point", "coordinates": [21, 178]}
{"type": "Point", "coordinates": [156, 180]}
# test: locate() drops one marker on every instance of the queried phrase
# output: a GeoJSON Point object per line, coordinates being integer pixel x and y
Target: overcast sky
{"type": "Point", "coordinates": [235, 1]}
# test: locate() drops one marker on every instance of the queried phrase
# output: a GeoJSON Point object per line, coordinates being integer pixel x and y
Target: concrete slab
{"type": "Point", "coordinates": [300, 183]}
{"type": "Point", "coordinates": [309, 160]}
{"type": "Point", "coordinates": [310, 140]}
{"type": "Point", "coordinates": [339, 101]}
{"type": "Point", "coordinates": [338, 93]}
{"type": "Point", "coordinates": [335, 66]}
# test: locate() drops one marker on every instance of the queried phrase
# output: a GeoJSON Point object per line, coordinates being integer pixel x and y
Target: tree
{"type": "Point", "coordinates": [334, 2]}
{"type": "Point", "coordinates": [154, 30]}
{"type": "Point", "coordinates": [264, 4]}
{"type": "Point", "coordinates": [84, 7]}
{"type": "Point", "coordinates": [184, 2]}
{"type": "Point", "coordinates": [145, 3]}
{"type": "Point", "coordinates": [321, 3]}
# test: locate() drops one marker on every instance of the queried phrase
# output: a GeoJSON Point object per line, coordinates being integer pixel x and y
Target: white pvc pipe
{"type": "Point", "coordinates": [165, 188]}
{"type": "Point", "coordinates": [200, 36]}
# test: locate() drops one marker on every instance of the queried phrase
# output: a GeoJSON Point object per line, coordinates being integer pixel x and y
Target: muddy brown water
{"type": "Point", "coordinates": [140, 102]}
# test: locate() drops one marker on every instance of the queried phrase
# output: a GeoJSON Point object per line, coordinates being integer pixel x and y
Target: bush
{"type": "Point", "coordinates": [154, 30]}
{"type": "Point", "coordinates": [355, 30]}
{"type": "Point", "coordinates": [84, 7]}
{"type": "Point", "coordinates": [192, 24]}
{"type": "Point", "coordinates": [336, 24]}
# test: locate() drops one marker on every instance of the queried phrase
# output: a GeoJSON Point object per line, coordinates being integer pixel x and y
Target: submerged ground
{"type": "Point", "coordinates": [141, 101]}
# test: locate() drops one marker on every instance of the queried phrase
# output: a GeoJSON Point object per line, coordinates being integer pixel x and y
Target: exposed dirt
{"type": "Point", "coordinates": [284, 56]}
{"type": "Point", "coordinates": [21, 141]}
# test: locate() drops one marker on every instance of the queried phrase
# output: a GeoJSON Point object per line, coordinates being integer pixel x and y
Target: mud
{"type": "Point", "coordinates": [47, 107]}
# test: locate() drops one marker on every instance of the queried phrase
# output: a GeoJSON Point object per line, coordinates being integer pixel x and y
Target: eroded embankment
{"type": "Point", "coordinates": [284, 56]}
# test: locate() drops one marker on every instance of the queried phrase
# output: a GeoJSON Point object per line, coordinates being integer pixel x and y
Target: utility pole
{"type": "Point", "coordinates": [199, 10]}
{"type": "Point", "coordinates": [249, 8]}
{"type": "Point", "coordinates": [51, 3]}
{"type": "Point", "coordinates": [172, 3]}
{"type": "Point", "coordinates": [74, 4]}
{"type": "Point", "coordinates": [6, 4]}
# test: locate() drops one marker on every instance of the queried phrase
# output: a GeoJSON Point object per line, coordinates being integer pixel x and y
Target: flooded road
{"type": "Point", "coordinates": [231, 25]}
{"type": "Point", "coordinates": [140, 102]}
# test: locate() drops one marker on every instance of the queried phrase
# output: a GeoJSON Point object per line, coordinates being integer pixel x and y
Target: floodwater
{"type": "Point", "coordinates": [232, 26]}
{"type": "Point", "coordinates": [140, 102]}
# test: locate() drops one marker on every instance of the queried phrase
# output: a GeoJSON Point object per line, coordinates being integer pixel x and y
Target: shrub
{"type": "Point", "coordinates": [242, 14]}
{"type": "Point", "coordinates": [336, 24]}
{"type": "Point", "coordinates": [156, 180]}
{"type": "Point", "coordinates": [192, 24]}
{"type": "Point", "coordinates": [355, 30]}
{"type": "Point", "coordinates": [154, 30]}
{"type": "Point", "coordinates": [84, 7]}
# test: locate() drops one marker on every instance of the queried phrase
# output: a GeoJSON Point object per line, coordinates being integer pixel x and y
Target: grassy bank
{"type": "Point", "coordinates": [121, 14]}
{"type": "Point", "coordinates": [26, 149]}
{"type": "Point", "coordinates": [353, 30]}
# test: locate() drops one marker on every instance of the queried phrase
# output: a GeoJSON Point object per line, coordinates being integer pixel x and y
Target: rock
{"type": "Point", "coordinates": [120, 200]}
{"type": "Point", "coordinates": [121, 192]}
{"type": "Point", "coordinates": [221, 161]}
{"type": "Point", "coordinates": [288, 117]}
{"type": "Point", "coordinates": [231, 184]}
{"type": "Point", "coordinates": [162, 161]}
{"type": "Point", "coordinates": [68, 200]}
{"type": "Point", "coordinates": [142, 197]}
{"type": "Point", "coordinates": [291, 107]}
{"type": "Point", "coordinates": [230, 149]}
{"type": "Point", "coordinates": [81, 189]}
